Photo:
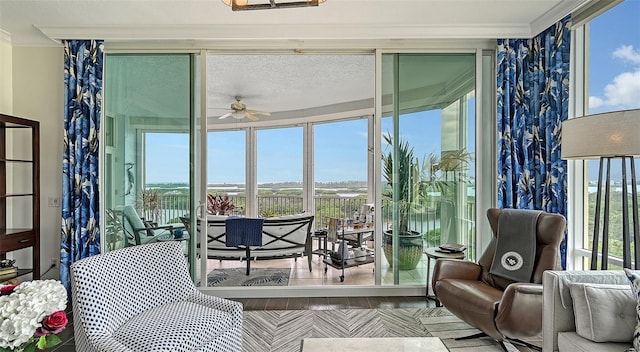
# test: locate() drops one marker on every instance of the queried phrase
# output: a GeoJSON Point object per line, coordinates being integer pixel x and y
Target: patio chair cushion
{"type": "Point", "coordinates": [134, 219]}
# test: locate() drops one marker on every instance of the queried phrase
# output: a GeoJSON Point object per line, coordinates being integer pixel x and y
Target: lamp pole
{"type": "Point", "coordinates": [626, 236]}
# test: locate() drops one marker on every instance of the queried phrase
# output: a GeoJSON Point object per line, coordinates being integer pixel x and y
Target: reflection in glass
{"type": "Point", "coordinates": [148, 112]}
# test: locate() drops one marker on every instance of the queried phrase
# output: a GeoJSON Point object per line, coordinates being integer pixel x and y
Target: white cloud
{"type": "Point", "coordinates": [626, 52]}
{"type": "Point", "coordinates": [595, 102]}
{"type": "Point", "coordinates": [624, 91]}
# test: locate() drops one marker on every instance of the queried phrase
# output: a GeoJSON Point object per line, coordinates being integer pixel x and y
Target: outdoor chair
{"type": "Point", "coordinates": [142, 232]}
{"type": "Point", "coordinates": [142, 298]}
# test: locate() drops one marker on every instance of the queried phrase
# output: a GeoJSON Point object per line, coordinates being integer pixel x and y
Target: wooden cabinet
{"type": "Point", "coordinates": [20, 190]}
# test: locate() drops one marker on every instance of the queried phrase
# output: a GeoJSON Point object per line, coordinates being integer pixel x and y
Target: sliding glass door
{"type": "Point", "coordinates": [428, 147]}
{"type": "Point", "coordinates": [299, 139]}
{"type": "Point", "coordinates": [150, 116]}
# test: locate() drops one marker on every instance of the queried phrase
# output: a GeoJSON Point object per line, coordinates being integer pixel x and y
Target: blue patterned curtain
{"type": "Point", "coordinates": [533, 99]}
{"type": "Point", "coordinates": [80, 238]}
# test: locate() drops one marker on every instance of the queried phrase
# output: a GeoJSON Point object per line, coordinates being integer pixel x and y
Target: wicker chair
{"type": "Point", "coordinates": [142, 298]}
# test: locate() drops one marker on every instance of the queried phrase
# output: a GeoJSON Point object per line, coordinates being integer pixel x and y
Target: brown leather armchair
{"type": "Point", "coordinates": [501, 308]}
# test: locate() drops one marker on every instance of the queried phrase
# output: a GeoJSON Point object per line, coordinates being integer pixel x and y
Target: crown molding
{"type": "Point", "coordinates": [554, 15]}
{"type": "Point", "coordinates": [283, 32]}
{"type": "Point", "coordinates": [317, 46]}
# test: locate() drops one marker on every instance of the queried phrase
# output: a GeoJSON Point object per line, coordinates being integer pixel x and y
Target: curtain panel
{"type": "Point", "coordinates": [80, 235]}
{"type": "Point", "coordinates": [533, 100]}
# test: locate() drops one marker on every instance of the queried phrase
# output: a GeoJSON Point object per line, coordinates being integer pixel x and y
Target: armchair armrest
{"type": "Point", "coordinates": [520, 299]}
{"type": "Point", "coordinates": [232, 307]}
{"type": "Point", "coordinates": [455, 269]}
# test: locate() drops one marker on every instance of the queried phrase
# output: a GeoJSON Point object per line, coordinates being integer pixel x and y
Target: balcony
{"type": "Point", "coordinates": [426, 222]}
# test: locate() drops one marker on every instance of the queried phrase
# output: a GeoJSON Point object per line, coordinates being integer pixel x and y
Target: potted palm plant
{"type": "Point", "coordinates": [417, 181]}
{"type": "Point", "coordinates": [410, 242]}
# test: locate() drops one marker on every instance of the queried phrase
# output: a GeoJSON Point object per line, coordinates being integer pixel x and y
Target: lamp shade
{"type": "Point", "coordinates": [602, 135]}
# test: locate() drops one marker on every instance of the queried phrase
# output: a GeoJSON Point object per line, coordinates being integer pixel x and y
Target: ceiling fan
{"type": "Point", "coordinates": [240, 111]}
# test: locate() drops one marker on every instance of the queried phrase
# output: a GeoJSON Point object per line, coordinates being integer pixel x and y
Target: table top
{"type": "Point", "coordinates": [432, 252]}
{"type": "Point", "coordinates": [374, 344]}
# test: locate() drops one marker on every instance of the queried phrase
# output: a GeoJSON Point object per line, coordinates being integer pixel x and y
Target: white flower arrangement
{"type": "Point", "coordinates": [31, 313]}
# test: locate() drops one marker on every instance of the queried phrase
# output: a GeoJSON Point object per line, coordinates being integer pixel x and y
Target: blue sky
{"type": "Point", "coordinates": [342, 147]}
{"type": "Point", "coordinates": [614, 77]}
{"type": "Point", "coordinates": [614, 80]}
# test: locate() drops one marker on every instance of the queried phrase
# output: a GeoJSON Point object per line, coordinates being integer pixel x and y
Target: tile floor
{"type": "Point", "coordinates": [303, 303]}
{"type": "Point", "coordinates": [360, 275]}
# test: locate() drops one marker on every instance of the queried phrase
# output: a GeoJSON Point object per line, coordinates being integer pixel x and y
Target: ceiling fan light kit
{"type": "Point", "coordinates": [239, 111]}
{"type": "Point", "coordinates": [244, 5]}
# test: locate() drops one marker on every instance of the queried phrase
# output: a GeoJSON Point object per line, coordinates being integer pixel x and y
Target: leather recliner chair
{"type": "Point", "coordinates": [501, 308]}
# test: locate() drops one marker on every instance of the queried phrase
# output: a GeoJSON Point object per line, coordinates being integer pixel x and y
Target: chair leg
{"type": "Point", "coordinates": [474, 336]}
{"type": "Point", "coordinates": [504, 348]}
{"type": "Point", "coordinates": [525, 343]}
{"type": "Point", "coordinates": [501, 343]}
{"type": "Point", "coordinates": [248, 259]}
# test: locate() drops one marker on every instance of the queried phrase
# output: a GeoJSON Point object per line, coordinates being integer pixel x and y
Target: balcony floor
{"type": "Point", "coordinates": [300, 275]}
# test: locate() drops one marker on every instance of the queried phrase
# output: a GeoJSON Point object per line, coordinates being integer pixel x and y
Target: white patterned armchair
{"type": "Point", "coordinates": [142, 298]}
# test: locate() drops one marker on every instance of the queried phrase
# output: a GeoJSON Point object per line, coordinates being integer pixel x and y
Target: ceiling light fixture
{"type": "Point", "coordinates": [243, 5]}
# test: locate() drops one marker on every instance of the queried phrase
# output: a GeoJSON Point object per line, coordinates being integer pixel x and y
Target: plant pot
{"type": "Point", "coordinates": [410, 250]}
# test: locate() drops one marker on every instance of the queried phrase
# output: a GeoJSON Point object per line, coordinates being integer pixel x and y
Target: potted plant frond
{"type": "Point", "coordinates": [410, 246]}
{"type": "Point", "coordinates": [218, 204]}
{"type": "Point", "coordinates": [148, 205]}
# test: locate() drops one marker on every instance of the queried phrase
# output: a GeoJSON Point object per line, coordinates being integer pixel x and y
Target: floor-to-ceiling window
{"type": "Point", "coordinates": [612, 62]}
{"type": "Point", "coordinates": [279, 171]}
{"type": "Point", "coordinates": [226, 167]}
{"type": "Point", "coordinates": [340, 167]}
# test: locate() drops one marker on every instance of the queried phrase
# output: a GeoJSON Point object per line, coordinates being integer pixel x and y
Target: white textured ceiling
{"type": "Point", "coordinates": [27, 20]}
{"type": "Point", "coordinates": [287, 85]}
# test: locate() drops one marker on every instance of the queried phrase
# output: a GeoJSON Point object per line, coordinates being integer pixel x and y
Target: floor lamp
{"type": "Point", "coordinates": [609, 136]}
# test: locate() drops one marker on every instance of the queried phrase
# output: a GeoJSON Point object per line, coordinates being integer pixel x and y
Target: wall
{"type": "Point", "coordinates": [38, 94]}
{"type": "Point", "coordinates": [6, 96]}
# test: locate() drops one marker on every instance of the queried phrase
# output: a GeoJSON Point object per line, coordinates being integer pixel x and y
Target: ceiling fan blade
{"type": "Point", "coordinates": [225, 115]}
{"type": "Point", "coordinates": [250, 115]}
{"type": "Point", "coordinates": [258, 112]}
